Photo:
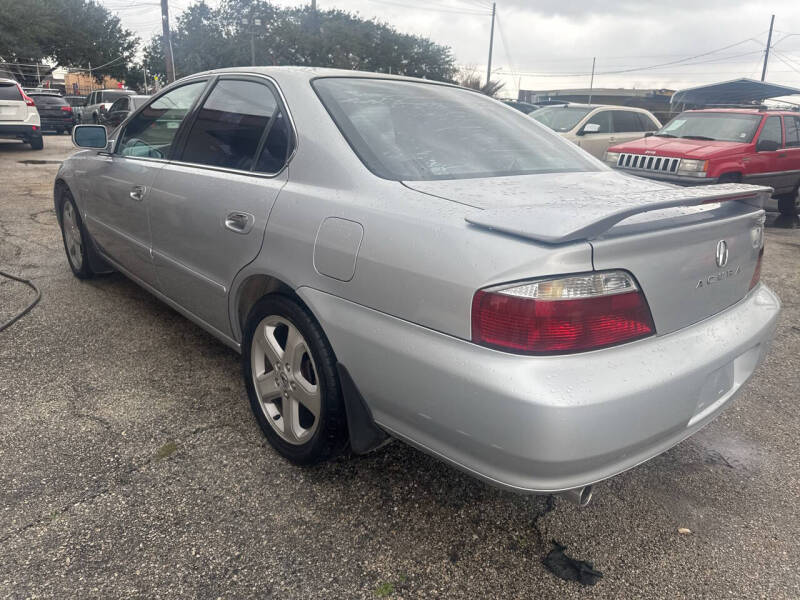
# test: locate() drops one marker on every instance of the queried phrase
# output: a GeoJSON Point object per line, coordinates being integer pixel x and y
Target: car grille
{"type": "Point", "coordinates": [662, 164]}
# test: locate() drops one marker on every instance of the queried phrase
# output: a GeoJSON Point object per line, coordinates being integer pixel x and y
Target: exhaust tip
{"type": "Point", "coordinates": [580, 496]}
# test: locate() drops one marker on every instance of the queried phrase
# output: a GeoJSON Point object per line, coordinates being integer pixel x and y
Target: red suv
{"type": "Point", "coordinates": [721, 146]}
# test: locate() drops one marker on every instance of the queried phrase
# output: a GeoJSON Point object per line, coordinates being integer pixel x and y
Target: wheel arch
{"type": "Point", "coordinates": [251, 290]}
{"type": "Point", "coordinates": [363, 433]}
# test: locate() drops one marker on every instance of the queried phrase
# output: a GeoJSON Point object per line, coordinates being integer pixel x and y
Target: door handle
{"type": "Point", "coordinates": [137, 192]}
{"type": "Point", "coordinates": [239, 222]}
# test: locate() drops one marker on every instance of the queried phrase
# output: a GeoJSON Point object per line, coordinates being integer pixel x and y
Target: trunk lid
{"type": "Point", "coordinates": [689, 267]}
{"type": "Point", "coordinates": [692, 250]}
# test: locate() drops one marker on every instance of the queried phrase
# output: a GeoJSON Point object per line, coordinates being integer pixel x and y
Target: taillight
{"type": "Point", "coordinates": [757, 273]}
{"type": "Point", "coordinates": [567, 314]}
{"type": "Point", "coordinates": [66, 108]}
{"type": "Point", "coordinates": [28, 100]}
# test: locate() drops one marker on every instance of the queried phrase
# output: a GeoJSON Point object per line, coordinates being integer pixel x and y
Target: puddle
{"type": "Point", "coordinates": [32, 161]}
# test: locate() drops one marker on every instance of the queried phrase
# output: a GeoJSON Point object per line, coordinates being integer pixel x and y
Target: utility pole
{"type": "Point", "coordinates": [144, 66]}
{"type": "Point", "coordinates": [167, 41]}
{"type": "Point", "coordinates": [766, 52]}
{"type": "Point", "coordinates": [255, 23]}
{"type": "Point", "coordinates": [491, 44]}
{"type": "Point", "coordinates": [591, 81]}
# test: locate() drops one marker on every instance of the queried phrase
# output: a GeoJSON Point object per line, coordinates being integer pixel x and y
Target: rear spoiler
{"type": "Point", "coordinates": [569, 220]}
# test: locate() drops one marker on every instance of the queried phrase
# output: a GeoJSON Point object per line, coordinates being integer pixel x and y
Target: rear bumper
{"type": "Point", "coordinates": [16, 131]}
{"type": "Point", "coordinates": [545, 424]}
{"type": "Point", "coordinates": [57, 122]}
{"type": "Point", "coordinates": [677, 179]}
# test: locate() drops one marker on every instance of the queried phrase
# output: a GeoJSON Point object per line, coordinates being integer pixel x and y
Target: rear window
{"type": "Point", "coordinates": [561, 118]}
{"type": "Point", "coordinates": [9, 91]}
{"type": "Point", "coordinates": [108, 97]}
{"type": "Point", "coordinates": [45, 100]}
{"type": "Point", "coordinates": [403, 130]}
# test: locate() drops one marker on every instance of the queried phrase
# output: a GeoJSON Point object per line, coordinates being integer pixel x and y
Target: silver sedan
{"type": "Point", "coordinates": [397, 258]}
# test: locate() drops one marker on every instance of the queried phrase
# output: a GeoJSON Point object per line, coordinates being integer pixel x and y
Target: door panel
{"type": "Point", "coordinates": [209, 211]}
{"type": "Point", "coordinates": [792, 150]}
{"type": "Point", "coordinates": [120, 191]}
{"type": "Point", "coordinates": [596, 143]}
{"type": "Point", "coordinates": [117, 221]}
{"type": "Point", "coordinates": [767, 167]}
{"type": "Point", "coordinates": [195, 255]}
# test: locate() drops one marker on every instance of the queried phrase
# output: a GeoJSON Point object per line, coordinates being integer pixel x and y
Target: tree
{"type": "Point", "coordinates": [470, 78]}
{"type": "Point", "coordinates": [207, 38]}
{"type": "Point", "coordinates": [73, 33]}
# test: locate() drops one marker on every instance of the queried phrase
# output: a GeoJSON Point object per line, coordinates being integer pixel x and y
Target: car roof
{"type": "Point", "coordinates": [744, 111]}
{"type": "Point", "coordinates": [309, 73]}
{"type": "Point", "coordinates": [6, 80]}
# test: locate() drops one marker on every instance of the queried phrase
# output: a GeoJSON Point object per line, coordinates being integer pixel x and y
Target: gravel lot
{"type": "Point", "coordinates": [130, 465]}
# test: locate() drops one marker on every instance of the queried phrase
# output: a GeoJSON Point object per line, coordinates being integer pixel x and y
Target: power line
{"type": "Point", "coordinates": [434, 8]}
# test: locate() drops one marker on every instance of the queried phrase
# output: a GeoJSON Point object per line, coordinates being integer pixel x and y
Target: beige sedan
{"type": "Point", "coordinates": [596, 127]}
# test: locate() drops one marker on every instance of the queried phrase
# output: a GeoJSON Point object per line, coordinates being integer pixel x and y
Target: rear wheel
{"type": "Point", "coordinates": [74, 238]}
{"type": "Point", "coordinates": [790, 203]}
{"type": "Point", "coordinates": [37, 143]}
{"type": "Point", "coordinates": [291, 378]}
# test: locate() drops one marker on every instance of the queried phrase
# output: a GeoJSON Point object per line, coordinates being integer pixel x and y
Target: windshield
{"type": "Point", "coordinates": [560, 118]}
{"type": "Point", "coordinates": [726, 127]}
{"type": "Point", "coordinates": [417, 131]}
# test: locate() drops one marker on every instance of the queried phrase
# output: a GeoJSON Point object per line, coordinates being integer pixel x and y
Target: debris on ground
{"type": "Point", "coordinates": [568, 568]}
{"type": "Point", "coordinates": [684, 530]}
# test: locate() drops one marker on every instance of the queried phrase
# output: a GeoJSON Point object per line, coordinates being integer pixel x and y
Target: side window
{"type": "Point", "coordinates": [602, 119]}
{"type": "Point", "coordinates": [153, 130]}
{"type": "Point", "coordinates": [120, 104]}
{"type": "Point", "coordinates": [229, 128]}
{"type": "Point", "coordinates": [772, 131]}
{"type": "Point", "coordinates": [277, 146]}
{"type": "Point", "coordinates": [792, 131]}
{"type": "Point", "coordinates": [646, 122]}
{"type": "Point", "coordinates": [626, 121]}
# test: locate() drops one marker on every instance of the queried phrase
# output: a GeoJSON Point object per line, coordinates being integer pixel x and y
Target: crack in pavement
{"type": "Point", "coordinates": [121, 479]}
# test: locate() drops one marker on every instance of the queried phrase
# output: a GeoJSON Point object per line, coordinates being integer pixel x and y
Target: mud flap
{"type": "Point", "coordinates": [365, 435]}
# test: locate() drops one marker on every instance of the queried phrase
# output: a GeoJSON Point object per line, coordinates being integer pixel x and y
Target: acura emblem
{"type": "Point", "coordinates": [722, 253]}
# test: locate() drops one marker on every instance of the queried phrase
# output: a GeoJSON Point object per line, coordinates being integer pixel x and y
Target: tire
{"type": "Point", "coordinates": [74, 236]}
{"type": "Point", "coordinates": [36, 143]}
{"type": "Point", "coordinates": [299, 436]}
{"type": "Point", "coordinates": [790, 203]}
{"type": "Point", "coordinates": [730, 178]}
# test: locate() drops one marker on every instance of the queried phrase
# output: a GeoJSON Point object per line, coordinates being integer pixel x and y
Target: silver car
{"type": "Point", "coordinates": [397, 258]}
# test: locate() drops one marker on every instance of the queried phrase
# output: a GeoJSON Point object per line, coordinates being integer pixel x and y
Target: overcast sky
{"type": "Point", "coordinates": [549, 44]}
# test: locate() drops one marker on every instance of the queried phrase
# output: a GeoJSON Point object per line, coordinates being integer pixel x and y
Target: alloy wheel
{"type": "Point", "coordinates": [285, 379]}
{"type": "Point", "coordinates": [72, 235]}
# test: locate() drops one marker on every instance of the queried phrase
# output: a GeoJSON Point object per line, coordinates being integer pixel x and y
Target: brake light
{"type": "Point", "coordinates": [556, 316]}
{"type": "Point", "coordinates": [66, 108]}
{"type": "Point", "coordinates": [757, 273]}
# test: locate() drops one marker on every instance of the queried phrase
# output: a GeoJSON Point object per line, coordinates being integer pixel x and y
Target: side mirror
{"type": "Point", "coordinates": [90, 136]}
{"type": "Point", "coordinates": [767, 146]}
{"type": "Point", "coordinates": [589, 128]}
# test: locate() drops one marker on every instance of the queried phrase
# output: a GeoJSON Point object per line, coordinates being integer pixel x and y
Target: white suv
{"type": "Point", "coordinates": [596, 127]}
{"type": "Point", "coordinates": [19, 118]}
